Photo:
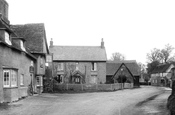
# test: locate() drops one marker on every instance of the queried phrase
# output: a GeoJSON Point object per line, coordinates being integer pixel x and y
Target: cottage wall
{"type": "Point", "coordinates": [14, 59]}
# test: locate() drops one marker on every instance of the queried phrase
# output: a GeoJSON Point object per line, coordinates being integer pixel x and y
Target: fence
{"type": "Point", "coordinates": [94, 87]}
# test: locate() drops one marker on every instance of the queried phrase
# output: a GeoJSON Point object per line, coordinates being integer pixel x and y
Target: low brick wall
{"type": "Point", "coordinates": [94, 87]}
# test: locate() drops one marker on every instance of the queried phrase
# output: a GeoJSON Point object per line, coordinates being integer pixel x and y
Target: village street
{"type": "Point", "coordinates": [139, 101]}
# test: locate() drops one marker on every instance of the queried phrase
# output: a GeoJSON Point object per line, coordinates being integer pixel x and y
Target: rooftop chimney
{"type": "Point", "coordinates": [4, 10]}
{"type": "Point", "coordinates": [102, 43]}
{"type": "Point", "coordinates": [51, 43]}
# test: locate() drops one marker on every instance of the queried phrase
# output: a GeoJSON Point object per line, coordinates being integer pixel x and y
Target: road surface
{"type": "Point", "coordinates": [121, 102]}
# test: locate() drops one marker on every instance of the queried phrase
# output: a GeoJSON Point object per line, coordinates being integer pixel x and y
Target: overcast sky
{"type": "Point", "coordinates": [131, 27]}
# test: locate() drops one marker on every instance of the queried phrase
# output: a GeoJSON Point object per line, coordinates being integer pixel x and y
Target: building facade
{"type": "Point", "coordinates": [36, 43]}
{"type": "Point", "coordinates": [123, 72]}
{"type": "Point", "coordinates": [15, 61]}
{"type": "Point", "coordinates": [161, 75]}
{"type": "Point", "coordinates": [79, 64]}
{"type": "Point", "coordinates": [23, 50]}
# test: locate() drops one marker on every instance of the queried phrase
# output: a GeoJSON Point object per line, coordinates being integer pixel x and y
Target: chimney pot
{"type": "Point", "coordinates": [51, 43]}
{"type": "Point", "coordinates": [102, 43]}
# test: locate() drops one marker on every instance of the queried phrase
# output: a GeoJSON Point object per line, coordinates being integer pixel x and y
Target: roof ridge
{"type": "Point", "coordinates": [73, 46]}
{"type": "Point", "coordinates": [124, 61]}
{"type": "Point", "coordinates": [26, 24]}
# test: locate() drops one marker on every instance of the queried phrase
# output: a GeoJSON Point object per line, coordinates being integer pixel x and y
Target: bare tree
{"type": "Point", "coordinates": [162, 56]}
{"type": "Point", "coordinates": [142, 67]}
{"type": "Point", "coordinates": [117, 57]}
{"type": "Point", "coordinates": [166, 53]}
{"type": "Point", "coordinates": [155, 55]}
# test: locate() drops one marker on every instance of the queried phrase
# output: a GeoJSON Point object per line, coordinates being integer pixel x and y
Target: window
{"type": "Point", "coordinates": [22, 79]}
{"type": "Point", "coordinates": [10, 78]}
{"type": "Point", "coordinates": [7, 38]}
{"type": "Point", "coordinates": [13, 78]}
{"type": "Point", "coordinates": [31, 63]}
{"type": "Point", "coordinates": [77, 80]}
{"type": "Point", "coordinates": [41, 62]}
{"type": "Point", "coordinates": [60, 66]}
{"type": "Point", "coordinates": [22, 45]}
{"type": "Point", "coordinates": [59, 78]}
{"type": "Point", "coordinates": [94, 66]}
{"type": "Point", "coordinates": [77, 66]}
{"type": "Point", "coordinates": [39, 81]}
{"type": "Point", "coordinates": [6, 78]}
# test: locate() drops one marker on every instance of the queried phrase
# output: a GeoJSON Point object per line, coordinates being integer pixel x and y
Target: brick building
{"type": "Point", "coordinates": [79, 64]}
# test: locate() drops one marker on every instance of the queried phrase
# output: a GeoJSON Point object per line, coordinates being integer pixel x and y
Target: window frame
{"type": "Point", "coordinates": [76, 66]}
{"type": "Point", "coordinates": [22, 45]}
{"type": "Point", "coordinates": [93, 66]}
{"type": "Point", "coordinates": [6, 83]}
{"type": "Point", "coordinates": [7, 38]}
{"type": "Point", "coordinates": [12, 78]}
{"type": "Point", "coordinates": [60, 67]}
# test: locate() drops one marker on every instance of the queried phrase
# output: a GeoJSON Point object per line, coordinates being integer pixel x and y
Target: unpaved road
{"type": "Point", "coordinates": [122, 102]}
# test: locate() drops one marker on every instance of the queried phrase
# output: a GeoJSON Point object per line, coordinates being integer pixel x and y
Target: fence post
{"type": "Point", "coordinates": [67, 86]}
{"type": "Point", "coordinates": [97, 86]}
{"type": "Point", "coordinates": [82, 87]}
{"type": "Point", "coordinates": [111, 86]}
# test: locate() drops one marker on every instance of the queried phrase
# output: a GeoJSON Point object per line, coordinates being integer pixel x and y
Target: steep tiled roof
{"type": "Point", "coordinates": [34, 34]}
{"type": "Point", "coordinates": [112, 67]}
{"type": "Point", "coordinates": [161, 68]}
{"type": "Point", "coordinates": [78, 53]}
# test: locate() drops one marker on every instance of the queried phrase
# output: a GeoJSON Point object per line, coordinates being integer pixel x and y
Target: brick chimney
{"type": "Point", "coordinates": [102, 43]}
{"type": "Point", "coordinates": [4, 10]}
{"type": "Point", "coordinates": [51, 43]}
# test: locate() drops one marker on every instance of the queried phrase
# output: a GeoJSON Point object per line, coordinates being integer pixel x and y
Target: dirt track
{"type": "Point", "coordinates": [101, 103]}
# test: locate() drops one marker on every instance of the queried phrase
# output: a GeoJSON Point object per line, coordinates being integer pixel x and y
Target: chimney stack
{"type": "Point", "coordinates": [102, 43]}
{"type": "Point", "coordinates": [51, 43]}
{"type": "Point", "coordinates": [4, 10]}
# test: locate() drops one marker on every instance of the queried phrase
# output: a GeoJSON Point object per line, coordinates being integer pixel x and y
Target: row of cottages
{"type": "Point", "coordinates": [22, 57]}
{"type": "Point", "coordinates": [79, 64]}
{"type": "Point", "coordinates": [123, 72]}
{"type": "Point", "coordinates": [161, 75]}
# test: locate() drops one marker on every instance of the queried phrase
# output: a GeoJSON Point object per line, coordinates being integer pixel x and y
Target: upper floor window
{"type": "Point", "coordinates": [9, 78]}
{"type": "Point", "coordinates": [22, 45]}
{"type": "Point", "coordinates": [7, 38]}
{"type": "Point", "coordinates": [31, 63]}
{"type": "Point", "coordinates": [41, 62]}
{"type": "Point", "coordinates": [60, 66]}
{"type": "Point", "coordinates": [94, 66]}
{"type": "Point", "coordinates": [76, 66]}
